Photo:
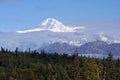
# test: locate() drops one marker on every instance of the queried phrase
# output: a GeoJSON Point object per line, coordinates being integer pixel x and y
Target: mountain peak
{"type": "Point", "coordinates": [53, 25]}
{"type": "Point", "coordinates": [50, 23]}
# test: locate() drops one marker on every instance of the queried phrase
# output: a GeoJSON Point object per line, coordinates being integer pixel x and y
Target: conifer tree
{"type": "Point", "coordinates": [75, 67]}
{"type": "Point", "coordinates": [110, 72]}
{"type": "Point", "coordinates": [90, 70]}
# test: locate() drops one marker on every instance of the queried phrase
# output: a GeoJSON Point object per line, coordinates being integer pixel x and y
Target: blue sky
{"type": "Point", "coordinates": [23, 14]}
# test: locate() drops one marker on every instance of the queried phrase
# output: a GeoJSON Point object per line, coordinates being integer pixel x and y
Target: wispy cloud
{"type": "Point", "coordinates": [104, 23]}
{"type": "Point", "coordinates": [97, 22]}
{"type": "Point", "coordinates": [99, 25]}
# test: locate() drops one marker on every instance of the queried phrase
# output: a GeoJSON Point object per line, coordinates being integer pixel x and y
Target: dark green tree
{"type": "Point", "coordinates": [110, 70]}
{"type": "Point", "coordinates": [75, 67]}
{"type": "Point", "coordinates": [90, 70]}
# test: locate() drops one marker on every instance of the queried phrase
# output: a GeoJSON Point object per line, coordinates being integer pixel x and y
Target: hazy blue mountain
{"type": "Point", "coordinates": [92, 48]}
{"type": "Point", "coordinates": [96, 47]}
{"type": "Point", "coordinates": [59, 48]}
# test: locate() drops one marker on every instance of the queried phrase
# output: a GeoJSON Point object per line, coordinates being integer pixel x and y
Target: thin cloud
{"type": "Point", "coordinates": [97, 22]}
{"type": "Point", "coordinates": [104, 23]}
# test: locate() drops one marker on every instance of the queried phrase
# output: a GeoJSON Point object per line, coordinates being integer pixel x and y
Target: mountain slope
{"type": "Point", "coordinates": [100, 47]}
{"type": "Point", "coordinates": [91, 48]}
{"type": "Point", "coordinates": [96, 47]}
{"type": "Point", "coordinates": [59, 48]}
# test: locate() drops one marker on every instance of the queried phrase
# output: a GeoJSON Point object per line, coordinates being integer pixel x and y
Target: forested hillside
{"type": "Point", "coordinates": [32, 65]}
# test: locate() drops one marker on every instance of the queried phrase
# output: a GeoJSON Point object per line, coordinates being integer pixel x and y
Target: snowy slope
{"type": "Point", "coordinates": [53, 25]}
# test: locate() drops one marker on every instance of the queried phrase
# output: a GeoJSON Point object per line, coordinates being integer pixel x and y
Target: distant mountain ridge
{"type": "Point", "coordinates": [95, 47]}
{"type": "Point", "coordinates": [100, 47]}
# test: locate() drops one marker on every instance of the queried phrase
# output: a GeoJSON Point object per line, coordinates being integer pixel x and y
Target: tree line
{"type": "Point", "coordinates": [33, 65]}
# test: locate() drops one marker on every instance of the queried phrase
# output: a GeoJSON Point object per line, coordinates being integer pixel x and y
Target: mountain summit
{"type": "Point", "coordinates": [51, 22]}
{"type": "Point", "coordinates": [53, 25]}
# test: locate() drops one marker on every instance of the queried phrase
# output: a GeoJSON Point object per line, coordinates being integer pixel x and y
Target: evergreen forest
{"type": "Point", "coordinates": [33, 65]}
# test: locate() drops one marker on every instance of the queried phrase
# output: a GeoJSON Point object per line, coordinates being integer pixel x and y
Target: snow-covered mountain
{"type": "Point", "coordinates": [53, 25]}
{"type": "Point", "coordinates": [52, 33]}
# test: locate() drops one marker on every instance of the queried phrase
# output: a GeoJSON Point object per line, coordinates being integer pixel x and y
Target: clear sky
{"type": "Point", "coordinates": [23, 14]}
